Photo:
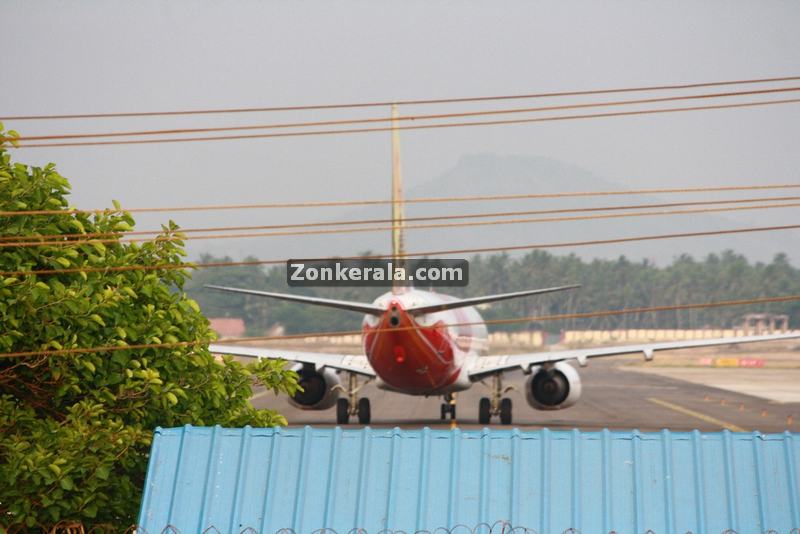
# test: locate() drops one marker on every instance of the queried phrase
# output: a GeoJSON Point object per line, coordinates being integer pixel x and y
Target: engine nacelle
{"type": "Point", "coordinates": [318, 392]}
{"type": "Point", "coordinates": [553, 389]}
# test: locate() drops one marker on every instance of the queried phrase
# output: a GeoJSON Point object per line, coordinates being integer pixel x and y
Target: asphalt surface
{"type": "Point", "coordinates": [613, 397]}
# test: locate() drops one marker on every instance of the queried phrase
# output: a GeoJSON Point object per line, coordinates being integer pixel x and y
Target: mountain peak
{"type": "Point", "coordinates": [486, 173]}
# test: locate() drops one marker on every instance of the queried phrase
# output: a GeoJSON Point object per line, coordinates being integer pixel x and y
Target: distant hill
{"type": "Point", "coordinates": [491, 174]}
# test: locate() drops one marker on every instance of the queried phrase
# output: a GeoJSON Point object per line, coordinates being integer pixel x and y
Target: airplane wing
{"type": "Point", "coordinates": [317, 301]}
{"type": "Point", "coordinates": [488, 365]}
{"type": "Point", "coordinates": [352, 363]}
{"type": "Point", "coordinates": [371, 309]}
{"type": "Point", "coordinates": [474, 301]}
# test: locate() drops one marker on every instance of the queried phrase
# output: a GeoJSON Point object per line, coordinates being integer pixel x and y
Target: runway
{"type": "Point", "coordinates": [614, 397]}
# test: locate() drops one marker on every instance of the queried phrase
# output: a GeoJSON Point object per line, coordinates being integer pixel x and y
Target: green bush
{"type": "Point", "coordinates": [75, 427]}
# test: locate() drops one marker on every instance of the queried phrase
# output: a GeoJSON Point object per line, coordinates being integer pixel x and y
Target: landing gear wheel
{"type": "Point", "coordinates": [505, 411]}
{"type": "Point", "coordinates": [449, 406]}
{"type": "Point", "coordinates": [484, 411]}
{"type": "Point", "coordinates": [363, 411]}
{"type": "Point", "coordinates": [342, 412]}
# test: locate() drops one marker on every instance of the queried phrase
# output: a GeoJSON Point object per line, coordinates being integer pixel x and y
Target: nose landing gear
{"type": "Point", "coordinates": [497, 404]}
{"type": "Point", "coordinates": [352, 405]}
{"type": "Point", "coordinates": [449, 406]}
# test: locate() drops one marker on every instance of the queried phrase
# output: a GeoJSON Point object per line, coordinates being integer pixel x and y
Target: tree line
{"type": "Point", "coordinates": [605, 285]}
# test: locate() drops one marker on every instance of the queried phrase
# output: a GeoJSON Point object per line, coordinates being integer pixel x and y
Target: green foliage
{"type": "Point", "coordinates": [620, 283]}
{"type": "Point", "coordinates": [84, 465]}
{"type": "Point", "coordinates": [75, 428]}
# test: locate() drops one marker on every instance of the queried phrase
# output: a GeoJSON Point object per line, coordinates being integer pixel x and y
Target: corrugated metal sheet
{"type": "Point", "coordinates": [550, 481]}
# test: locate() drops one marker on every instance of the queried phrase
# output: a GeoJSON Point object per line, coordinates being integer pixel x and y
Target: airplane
{"type": "Point", "coordinates": [419, 342]}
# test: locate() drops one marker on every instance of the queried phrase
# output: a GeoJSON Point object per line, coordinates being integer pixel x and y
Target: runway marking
{"type": "Point", "coordinates": [696, 415]}
{"type": "Point", "coordinates": [630, 386]}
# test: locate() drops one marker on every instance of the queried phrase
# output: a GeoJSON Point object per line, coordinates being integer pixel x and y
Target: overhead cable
{"type": "Point", "coordinates": [568, 244]}
{"type": "Point", "coordinates": [405, 118]}
{"type": "Point", "coordinates": [401, 102]}
{"type": "Point", "coordinates": [177, 236]}
{"type": "Point", "coordinates": [527, 319]}
{"type": "Point", "coordinates": [308, 133]}
{"type": "Point", "coordinates": [419, 200]}
{"type": "Point", "coordinates": [119, 233]}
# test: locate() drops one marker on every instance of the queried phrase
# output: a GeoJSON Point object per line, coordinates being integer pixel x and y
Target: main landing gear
{"type": "Point", "coordinates": [497, 404]}
{"type": "Point", "coordinates": [449, 406]}
{"type": "Point", "coordinates": [352, 405]}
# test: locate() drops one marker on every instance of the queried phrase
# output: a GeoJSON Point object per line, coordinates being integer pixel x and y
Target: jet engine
{"type": "Point", "coordinates": [554, 388]}
{"type": "Point", "coordinates": [318, 388]}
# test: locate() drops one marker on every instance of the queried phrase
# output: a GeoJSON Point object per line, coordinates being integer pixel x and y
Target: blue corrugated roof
{"type": "Point", "coordinates": [308, 478]}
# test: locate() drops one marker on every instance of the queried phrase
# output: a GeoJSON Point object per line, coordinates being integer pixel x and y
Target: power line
{"type": "Point", "coordinates": [569, 244]}
{"type": "Point", "coordinates": [342, 122]}
{"type": "Point", "coordinates": [117, 234]}
{"type": "Point", "coordinates": [542, 318]}
{"type": "Point", "coordinates": [413, 127]}
{"type": "Point", "coordinates": [421, 200]}
{"type": "Point", "coordinates": [402, 102]}
{"type": "Point", "coordinates": [371, 229]}
{"type": "Point", "coordinates": [532, 318]}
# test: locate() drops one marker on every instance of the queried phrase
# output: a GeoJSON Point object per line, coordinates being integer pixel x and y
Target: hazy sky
{"type": "Point", "coordinates": [73, 57]}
